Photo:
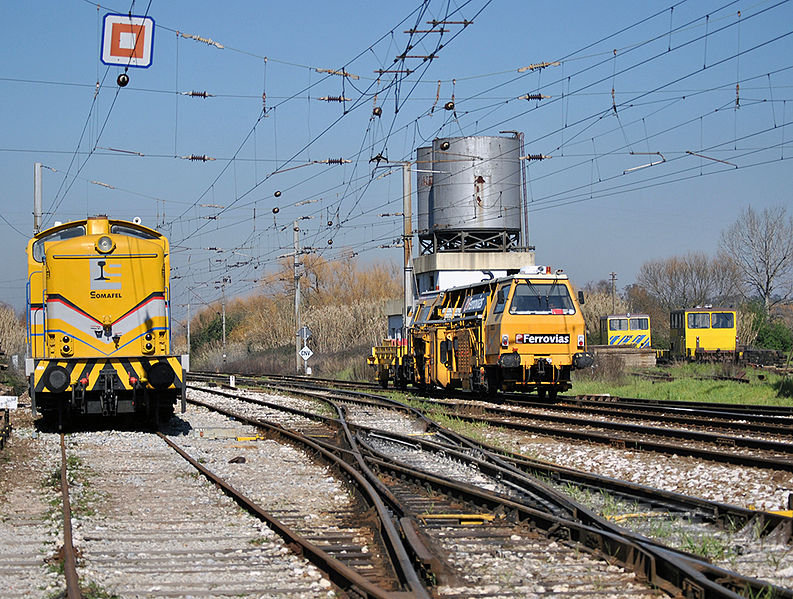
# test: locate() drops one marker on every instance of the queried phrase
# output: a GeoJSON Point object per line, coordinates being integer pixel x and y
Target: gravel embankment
{"type": "Point", "coordinates": [31, 524]}
{"type": "Point", "coordinates": [149, 525]}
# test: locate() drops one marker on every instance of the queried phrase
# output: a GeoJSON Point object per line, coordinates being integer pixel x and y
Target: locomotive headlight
{"type": "Point", "coordinates": [104, 244]}
{"type": "Point", "coordinates": [504, 340]}
{"type": "Point", "coordinates": [580, 341]}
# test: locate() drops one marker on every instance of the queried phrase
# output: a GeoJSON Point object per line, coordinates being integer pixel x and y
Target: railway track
{"type": "Point", "coordinates": [714, 446]}
{"type": "Point", "coordinates": [354, 422]}
{"type": "Point", "coordinates": [707, 419]}
{"type": "Point", "coordinates": [745, 451]}
{"type": "Point", "coordinates": [154, 527]}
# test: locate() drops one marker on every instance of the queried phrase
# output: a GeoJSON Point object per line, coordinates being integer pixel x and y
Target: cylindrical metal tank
{"type": "Point", "coordinates": [478, 187]}
{"type": "Point", "coordinates": [424, 189]}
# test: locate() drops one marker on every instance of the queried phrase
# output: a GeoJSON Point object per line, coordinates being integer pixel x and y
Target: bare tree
{"type": "Point", "coordinates": [684, 281]}
{"type": "Point", "coordinates": [760, 246]}
{"type": "Point", "coordinates": [599, 303]}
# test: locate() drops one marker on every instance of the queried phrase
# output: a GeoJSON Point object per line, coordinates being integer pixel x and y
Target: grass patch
{"type": "Point", "coordinates": [94, 591]}
{"type": "Point", "coordinates": [710, 547]}
{"type": "Point", "coordinates": [692, 382]}
{"type": "Point", "coordinates": [257, 542]}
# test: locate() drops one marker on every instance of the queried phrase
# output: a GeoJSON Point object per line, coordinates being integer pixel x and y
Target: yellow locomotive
{"type": "Point", "coordinates": [98, 323]}
{"type": "Point", "coordinates": [626, 330]}
{"type": "Point", "coordinates": [522, 332]}
{"type": "Point", "coordinates": [702, 333]}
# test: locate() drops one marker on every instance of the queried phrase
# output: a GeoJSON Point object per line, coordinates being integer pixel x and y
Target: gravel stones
{"type": "Point", "coordinates": [31, 525]}
{"type": "Point", "coordinates": [148, 525]}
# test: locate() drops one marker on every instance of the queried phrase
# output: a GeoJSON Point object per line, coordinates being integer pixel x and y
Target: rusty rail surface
{"type": "Point", "coordinates": [68, 552]}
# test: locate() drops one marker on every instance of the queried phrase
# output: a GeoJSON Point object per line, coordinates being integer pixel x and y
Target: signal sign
{"type": "Point", "coordinates": [306, 353]}
{"type": "Point", "coordinates": [127, 40]}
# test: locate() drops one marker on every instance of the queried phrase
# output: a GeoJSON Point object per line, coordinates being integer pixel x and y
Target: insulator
{"type": "Point", "coordinates": [277, 194]}
{"type": "Point", "coordinates": [198, 157]}
{"type": "Point", "coordinates": [330, 223]}
{"type": "Point", "coordinates": [276, 210]}
{"type": "Point", "coordinates": [445, 145]}
{"type": "Point", "coordinates": [336, 161]}
{"type": "Point", "coordinates": [330, 242]}
{"type": "Point", "coordinates": [334, 99]}
{"type": "Point", "coordinates": [449, 105]}
{"type": "Point", "coordinates": [377, 111]}
{"type": "Point", "coordinates": [195, 94]}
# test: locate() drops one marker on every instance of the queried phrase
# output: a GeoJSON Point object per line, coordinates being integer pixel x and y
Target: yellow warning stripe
{"type": "Point", "coordinates": [469, 519]}
{"type": "Point", "coordinates": [623, 517]}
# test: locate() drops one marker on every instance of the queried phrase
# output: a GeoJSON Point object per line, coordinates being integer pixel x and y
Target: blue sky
{"type": "Point", "coordinates": [673, 66]}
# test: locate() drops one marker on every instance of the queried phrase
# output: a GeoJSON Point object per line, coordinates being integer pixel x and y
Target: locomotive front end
{"type": "Point", "coordinates": [536, 333]}
{"type": "Point", "coordinates": [99, 328]}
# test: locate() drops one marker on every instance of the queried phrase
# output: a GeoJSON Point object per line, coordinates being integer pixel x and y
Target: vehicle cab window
{"type": "Point", "coordinates": [38, 246]}
{"type": "Point", "coordinates": [541, 298]}
{"type": "Point", "coordinates": [699, 320]}
{"type": "Point", "coordinates": [501, 299]}
{"type": "Point", "coordinates": [723, 320]}
{"type": "Point", "coordinates": [131, 232]}
{"type": "Point", "coordinates": [640, 324]}
{"type": "Point", "coordinates": [619, 324]}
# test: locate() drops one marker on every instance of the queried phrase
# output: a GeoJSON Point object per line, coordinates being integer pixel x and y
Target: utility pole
{"type": "Point", "coordinates": [36, 198]}
{"type": "Point", "coordinates": [297, 297]}
{"type": "Point", "coordinates": [613, 276]}
{"type": "Point", "coordinates": [407, 242]}
{"type": "Point", "coordinates": [223, 317]}
{"type": "Point", "coordinates": [188, 322]}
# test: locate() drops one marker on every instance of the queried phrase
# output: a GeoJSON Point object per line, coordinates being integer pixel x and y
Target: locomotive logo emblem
{"type": "Point", "coordinates": [556, 338]}
{"type": "Point", "coordinates": [105, 274]}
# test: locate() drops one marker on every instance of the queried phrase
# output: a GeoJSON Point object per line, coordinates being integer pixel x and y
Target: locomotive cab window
{"type": "Point", "coordinates": [132, 232]}
{"type": "Point", "coordinates": [699, 320]}
{"type": "Point", "coordinates": [38, 247]}
{"type": "Point", "coordinates": [618, 324]}
{"type": "Point", "coordinates": [723, 320]}
{"type": "Point", "coordinates": [640, 324]}
{"type": "Point", "coordinates": [501, 299]}
{"type": "Point", "coordinates": [541, 298]}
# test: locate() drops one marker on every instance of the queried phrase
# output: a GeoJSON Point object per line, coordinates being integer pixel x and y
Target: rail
{"type": "Point", "coordinates": [666, 568]}
{"type": "Point", "coordinates": [68, 551]}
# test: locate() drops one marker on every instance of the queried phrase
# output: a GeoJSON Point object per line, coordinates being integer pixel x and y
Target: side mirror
{"type": "Point", "coordinates": [581, 297]}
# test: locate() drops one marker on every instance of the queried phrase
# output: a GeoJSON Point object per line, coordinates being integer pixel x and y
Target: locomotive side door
{"type": "Point", "coordinates": [493, 324]}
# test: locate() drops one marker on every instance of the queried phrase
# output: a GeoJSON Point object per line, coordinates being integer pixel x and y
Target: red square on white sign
{"type": "Point", "coordinates": [127, 40]}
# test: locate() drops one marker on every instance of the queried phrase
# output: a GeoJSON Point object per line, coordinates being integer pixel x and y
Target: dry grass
{"type": "Point", "coordinates": [608, 368]}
